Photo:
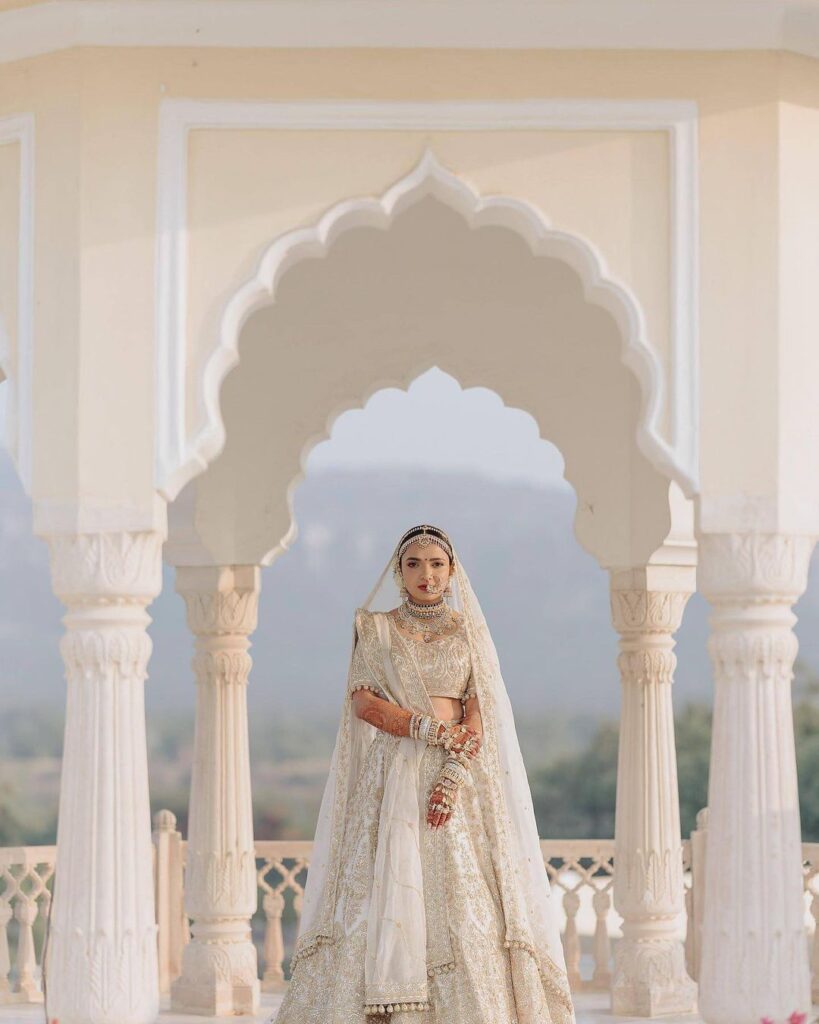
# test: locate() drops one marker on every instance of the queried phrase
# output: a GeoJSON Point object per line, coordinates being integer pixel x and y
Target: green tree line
{"type": "Point", "coordinates": [573, 791]}
{"type": "Point", "coordinates": [574, 796]}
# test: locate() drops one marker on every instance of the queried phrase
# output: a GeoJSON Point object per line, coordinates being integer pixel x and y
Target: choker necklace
{"type": "Point", "coordinates": [429, 620]}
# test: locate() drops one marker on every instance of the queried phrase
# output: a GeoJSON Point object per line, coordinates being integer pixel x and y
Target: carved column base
{"type": "Point", "coordinates": [650, 978]}
{"type": "Point", "coordinates": [218, 979]}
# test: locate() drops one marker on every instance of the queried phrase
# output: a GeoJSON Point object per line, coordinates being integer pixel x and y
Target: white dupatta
{"type": "Point", "coordinates": [396, 967]}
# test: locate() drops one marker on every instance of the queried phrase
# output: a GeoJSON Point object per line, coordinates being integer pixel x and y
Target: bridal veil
{"type": "Point", "coordinates": [396, 977]}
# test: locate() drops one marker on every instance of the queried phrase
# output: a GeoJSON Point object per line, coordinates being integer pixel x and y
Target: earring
{"type": "Point", "coordinates": [399, 582]}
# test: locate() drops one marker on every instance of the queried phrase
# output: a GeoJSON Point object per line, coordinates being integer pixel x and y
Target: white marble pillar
{"type": "Point", "coordinates": [219, 966]}
{"type": "Point", "coordinates": [754, 960]}
{"type": "Point", "coordinates": [649, 966]}
{"type": "Point", "coordinates": [102, 956]}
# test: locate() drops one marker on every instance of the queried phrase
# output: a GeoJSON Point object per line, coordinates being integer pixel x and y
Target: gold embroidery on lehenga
{"type": "Point", "coordinates": [439, 951]}
{"type": "Point", "coordinates": [482, 965]}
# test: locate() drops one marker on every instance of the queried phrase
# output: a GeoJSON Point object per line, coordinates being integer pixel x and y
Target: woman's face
{"type": "Point", "coordinates": [426, 570]}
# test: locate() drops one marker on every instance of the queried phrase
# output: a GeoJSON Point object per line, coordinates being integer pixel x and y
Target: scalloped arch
{"type": "Point", "coordinates": [400, 382]}
{"type": "Point", "coordinates": [430, 178]}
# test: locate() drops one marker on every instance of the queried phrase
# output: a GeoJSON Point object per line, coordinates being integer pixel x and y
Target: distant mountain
{"type": "Point", "coordinates": [545, 599]}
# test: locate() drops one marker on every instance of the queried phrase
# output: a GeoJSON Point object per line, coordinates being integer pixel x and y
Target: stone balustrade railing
{"type": "Point", "coordinates": [25, 872]}
{"type": "Point", "coordinates": [580, 870]}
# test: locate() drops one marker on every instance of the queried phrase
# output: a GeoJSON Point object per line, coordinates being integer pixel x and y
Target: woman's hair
{"type": "Point", "coordinates": [435, 534]}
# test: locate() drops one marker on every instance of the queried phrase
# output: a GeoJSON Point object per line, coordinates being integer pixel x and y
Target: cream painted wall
{"type": "Point", "coordinates": [52, 94]}
{"type": "Point", "coordinates": [117, 225]}
{"type": "Point", "coordinates": [798, 370]}
{"type": "Point", "coordinates": [9, 242]}
{"type": "Point", "coordinates": [96, 116]}
{"type": "Point", "coordinates": [738, 335]}
{"type": "Point", "coordinates": [606, 187]}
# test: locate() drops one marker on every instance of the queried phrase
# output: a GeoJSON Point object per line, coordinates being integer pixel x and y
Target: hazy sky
{"type": "Point", "coordinates": [437, 423]}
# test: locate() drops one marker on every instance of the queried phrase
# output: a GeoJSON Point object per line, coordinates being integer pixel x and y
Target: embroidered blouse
{"type": "Point", "coordinates": [445, 664]}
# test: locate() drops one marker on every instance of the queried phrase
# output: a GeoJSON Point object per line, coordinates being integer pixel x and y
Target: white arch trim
{"type": "Point", "coordinates": [430, 178]}
{"type": "Point", "coordinates": [19, 129]}
{"type": "Point", "coordinates": [180, 458]}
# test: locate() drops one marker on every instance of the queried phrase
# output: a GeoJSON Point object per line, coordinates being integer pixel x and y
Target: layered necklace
{"type": "Point", "coordinates": [431, 620]}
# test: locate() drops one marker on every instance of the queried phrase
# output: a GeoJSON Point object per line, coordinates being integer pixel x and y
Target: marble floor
{"type": "Point", "coordinates": [590, 1008]}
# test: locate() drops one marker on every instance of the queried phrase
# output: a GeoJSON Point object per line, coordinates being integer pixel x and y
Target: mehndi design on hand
{"type": "Point", "coordinates": [381, 714]}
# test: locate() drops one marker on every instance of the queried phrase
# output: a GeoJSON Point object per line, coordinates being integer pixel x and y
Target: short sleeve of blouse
{"type": "Point", "coordinates": [360, 678]}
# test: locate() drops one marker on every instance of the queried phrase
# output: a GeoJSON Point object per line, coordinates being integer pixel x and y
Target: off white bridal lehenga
{"type": "Point", "coordinates": [416, 925]}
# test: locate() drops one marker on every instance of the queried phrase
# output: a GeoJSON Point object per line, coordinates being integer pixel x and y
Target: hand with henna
{"type": "Point", "coordinates": [435, 817]}
{"type": "Point", "coordinates": [380, 713]}
{"type": "Point", "coordinates": [391, 718]}
{"type": "Point", "coordinates": [460, 733]}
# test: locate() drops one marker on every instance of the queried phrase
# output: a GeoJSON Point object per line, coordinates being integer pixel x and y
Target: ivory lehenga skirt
{"type": "Point", "coordinates": [488, 983]}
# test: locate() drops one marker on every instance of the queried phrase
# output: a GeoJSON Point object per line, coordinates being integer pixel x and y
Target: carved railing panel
{"type": "Point", "coordinates": [579, 868]}
{"type": "Point", "coordinates": [282, 872]}
{"type": "Point", "coordinates": [580, 871]}
{"type": "Point", "coordinates": [26, 881]}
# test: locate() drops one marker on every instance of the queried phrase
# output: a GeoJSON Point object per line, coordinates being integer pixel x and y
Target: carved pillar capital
{"type": "Point", "coordinates": [220, 600]}
{"type": "Point", "coordinates": [749, 567]}
{"type": "Point", "coordinates": [650, 599]}
{"type": "Point", "coordinates": [121, 567]}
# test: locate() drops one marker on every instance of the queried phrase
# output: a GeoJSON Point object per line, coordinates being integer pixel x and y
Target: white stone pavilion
{"type": "Point", "coordinates": [224, 222]}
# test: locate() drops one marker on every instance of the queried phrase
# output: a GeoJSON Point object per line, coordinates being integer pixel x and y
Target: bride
{"type": "Point", "coordinates": [427, 900]}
